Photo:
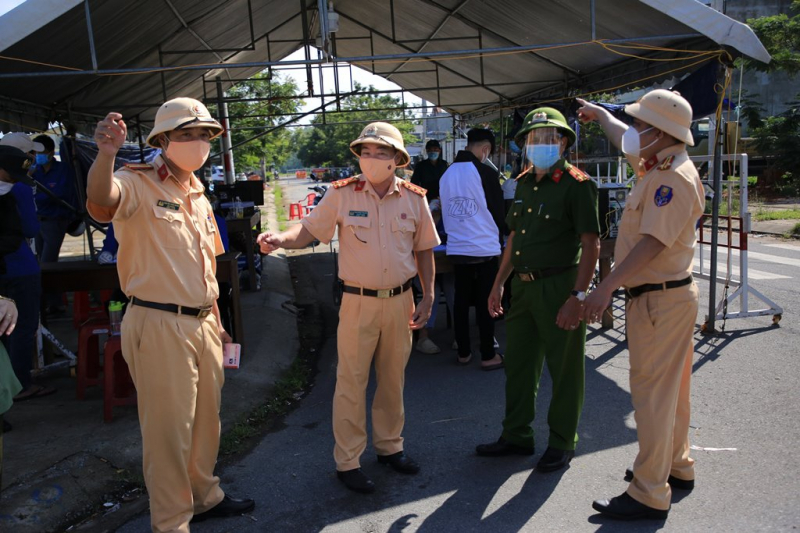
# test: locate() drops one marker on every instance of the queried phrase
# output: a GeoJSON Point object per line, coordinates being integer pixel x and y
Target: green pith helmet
{"type": "Point", "coordinates": [544, 117]}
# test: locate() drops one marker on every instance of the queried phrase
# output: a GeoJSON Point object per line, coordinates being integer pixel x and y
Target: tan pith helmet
{"type": "Point", "coordinates": [181, 113]}
{"type": "Point", "coordinates": [381, 133]}
{"type": "Point", "coordinates": [667, 111]}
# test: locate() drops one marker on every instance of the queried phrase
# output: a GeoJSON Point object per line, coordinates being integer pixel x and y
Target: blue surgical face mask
{"type": "Point", "coordinates": [42, 159]}
{"type": "Point", "coordinates": [433, 156]}
{"type": "Point", "coordinates": [543, 155]}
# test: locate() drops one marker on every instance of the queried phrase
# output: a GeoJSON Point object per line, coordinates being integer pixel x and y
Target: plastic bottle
{"type": "Point", "coordinates": [115, 317]}
{"type": "Point", "coordinates": [238, 210]}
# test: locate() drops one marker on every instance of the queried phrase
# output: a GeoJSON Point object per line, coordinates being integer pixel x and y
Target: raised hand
{"type": "Point", "coordinates": [110, 134]}
{"type": "Point", "coordinates": [588, 112]}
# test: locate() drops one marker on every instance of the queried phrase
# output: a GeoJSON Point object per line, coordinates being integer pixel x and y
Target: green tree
{"type": "Point", "coordinates": [252, 117]}
{"type": "Point", "coordinates": [327, 142]}
{"type": "Point", "coordinates": [780, 35]}
{"type": "Point", "coordinates": [778, 138]}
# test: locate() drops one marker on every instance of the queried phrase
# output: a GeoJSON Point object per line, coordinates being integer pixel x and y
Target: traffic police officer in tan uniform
{"type": "Point", "coordinates": [552, 250]}
{"type": "Point", "coordinates": [171, 334]}
{"type": "Point", "coordinates": [386, 237]}
{"type": "Point", "coordinates": [653, 255]}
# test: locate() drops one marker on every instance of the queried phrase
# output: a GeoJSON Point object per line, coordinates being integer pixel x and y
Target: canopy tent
{"type": "Point", "coordinates": [470, 57]}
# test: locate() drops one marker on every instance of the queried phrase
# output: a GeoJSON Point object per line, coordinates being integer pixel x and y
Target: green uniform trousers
{"type": "Point", "coordinates": [532, 339]}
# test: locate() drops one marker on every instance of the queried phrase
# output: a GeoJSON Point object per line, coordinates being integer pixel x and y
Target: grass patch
{"type": "Point", "coordinates": [796, 230]}
{"type": "Point", "coordinates": [280, 209]}
{"type": "Point", "coordinates": [287, 390]}
{"type": "Point", "coordinates": [777, 214]}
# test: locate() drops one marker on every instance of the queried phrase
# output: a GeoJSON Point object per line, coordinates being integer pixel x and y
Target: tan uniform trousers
{"type": "Point", "coordinates": [176, 364]}
{"type": "Point", "coordinates": [660, 328]}
{"type": "Point", "coordinates": [370, 329]}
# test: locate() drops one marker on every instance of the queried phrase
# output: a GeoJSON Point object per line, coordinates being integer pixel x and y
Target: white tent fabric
{"type": "Point", "coordinates": [714, 25]}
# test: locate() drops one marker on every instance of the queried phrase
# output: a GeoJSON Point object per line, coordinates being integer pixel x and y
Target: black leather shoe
{"type": "Point", "coordinates": [400, 462]}
{"type": "Point", "coordinates": [674, 482]}
{"type": "Point", "coordinates": [554, 459]}
{"type": "Point", "coordinates": [356, 480]}
{"type": "Point", "coordinates": [624, 507]}
{"type": "Point", "coordinates": [227, 507]}
{"type": "Point", "coordinates": [502, 447]}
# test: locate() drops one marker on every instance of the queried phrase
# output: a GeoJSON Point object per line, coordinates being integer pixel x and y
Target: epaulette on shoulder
{"type": "Point", "coordinates": [343, 183]}
{"type": "Point", "coordinates": [577, 173]}
{"type": "Point", "coordinates": [667, 163]}
{"type": "Point", "coordinates": [414, 188]}
{"type": "Point", "coordinates": [138, 167]}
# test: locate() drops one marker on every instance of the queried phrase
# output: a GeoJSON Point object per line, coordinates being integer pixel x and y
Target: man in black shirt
{"type": "Point", "coordinates": [429, 171]}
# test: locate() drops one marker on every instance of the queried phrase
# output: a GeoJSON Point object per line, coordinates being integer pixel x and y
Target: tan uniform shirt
{"type": "Point", "coordinates": [666, 203]}
{"type": "Point", "coordinates": [376, 235]}
{"type": "Point", "coordinates": [167, 235]}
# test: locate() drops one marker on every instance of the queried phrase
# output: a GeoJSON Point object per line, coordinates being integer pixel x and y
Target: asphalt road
{"type": "Point", "coordinates": [746, 404]}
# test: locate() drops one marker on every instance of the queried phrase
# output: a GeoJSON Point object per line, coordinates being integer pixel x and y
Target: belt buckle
{"type": "Point", "coordinates": [526, 276]}
{"type": "Point", "coordinates": [204, 313]}
{"type": "Point", "coordinates": [384, 293]}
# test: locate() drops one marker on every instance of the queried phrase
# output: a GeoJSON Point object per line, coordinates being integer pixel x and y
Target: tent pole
{"type": "Point", "coordinates": [227, 156]}
{"type": "Point", "coordinates": [140, 138]}
{"type": "Point", "coordinates": [712, 294]}
{"type": "Point", "coordinates": [79, 189]}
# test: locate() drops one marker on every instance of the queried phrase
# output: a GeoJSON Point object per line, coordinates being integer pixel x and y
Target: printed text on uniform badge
{"type": "Point", "coordinates": [168, 205]}
{"type": "Point", "coordinates": [362, 214]}
{"type": "Point", "coordinates": [663, 195]}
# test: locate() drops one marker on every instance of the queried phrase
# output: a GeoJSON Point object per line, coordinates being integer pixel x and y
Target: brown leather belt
{"type": "Point", "coordinates": [633, 292]}
{"type": "Point", "coordinates": [173, 308]}
{"type": "Point", "coordinates": [378, 293]}
{"type": "Point", "coordinates": [533, 275]}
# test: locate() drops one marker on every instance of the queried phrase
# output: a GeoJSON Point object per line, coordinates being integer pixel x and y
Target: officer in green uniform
{"type": "Point", "coordinates": [552, 250]}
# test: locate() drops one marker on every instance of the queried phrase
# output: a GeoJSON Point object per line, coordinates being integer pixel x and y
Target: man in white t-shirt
{"type": "Point", "coordinates": [473, 214]}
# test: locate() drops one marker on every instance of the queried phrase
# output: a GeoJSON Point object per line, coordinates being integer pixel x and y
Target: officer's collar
{"type": "Point", "coordinates": [367, 186]}
{"type": "Point", "coordinates": [647, 164]}
{"type": "Point", "coordinates": [163, 171]}
{"type": "Point", "coordinates": [555, 173]}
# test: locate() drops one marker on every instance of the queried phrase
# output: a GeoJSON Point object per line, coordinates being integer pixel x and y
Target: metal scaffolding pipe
{"type": "Point", "coordinates": [353, 59]}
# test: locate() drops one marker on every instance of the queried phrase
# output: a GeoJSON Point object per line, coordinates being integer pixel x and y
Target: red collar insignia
{"type": "Point", "coordinates": [557, 175]}
{"type": "Point", "coordinates": [667, 163]}
{"type": "Point", "coordinates": [163, 172]}
{"type": "Point", "coordinates": [650, 163]}
{"type": "Point", "coordinates": [360, 185]}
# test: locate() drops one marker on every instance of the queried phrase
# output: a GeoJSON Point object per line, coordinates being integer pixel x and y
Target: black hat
{"type": "Point", "coordinates": [15, 162]}
{"type": "Point", "coordinates": [476, 135]}
{"type": "Point", "coordinates": [433, 143]}
{"type": "Point", "coordinates": [47, 142]}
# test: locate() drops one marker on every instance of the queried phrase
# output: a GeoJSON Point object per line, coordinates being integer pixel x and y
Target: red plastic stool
{"type": "Point", "coordinates": [118, 385]}
{"type": "Point", "coordinates": [83, 310]}
{"type": "Point", "coordinates": [88, 366]}
{"type": "Point", "coordinates": [295, 211]}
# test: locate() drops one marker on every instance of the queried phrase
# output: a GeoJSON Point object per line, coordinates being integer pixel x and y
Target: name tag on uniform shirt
{"type": "Point", "coordinates": [358, 214]}
{"type": "Point", "coordinates": [517, 201]}
{"type": "Point", "coordinates": [168, 205]}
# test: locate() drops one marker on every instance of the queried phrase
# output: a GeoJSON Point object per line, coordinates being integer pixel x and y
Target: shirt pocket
{"type": "Point", "coordinates": [169, 229]}
{"type": "Point", "coordinates": [632, 213]}
{"type": "Point", "coordinates": [359, 228]}
{"type": "Point", "coordinates": [546, 213]}
{"type": "Point", "coordinates": [403, 234]}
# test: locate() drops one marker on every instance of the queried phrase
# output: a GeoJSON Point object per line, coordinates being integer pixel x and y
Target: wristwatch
{"type": "Point", "coordinates": [580, 295]}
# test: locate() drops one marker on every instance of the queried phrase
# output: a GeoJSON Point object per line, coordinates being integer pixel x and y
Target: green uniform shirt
{"type": "Point", "coordinates": [548, 218]}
